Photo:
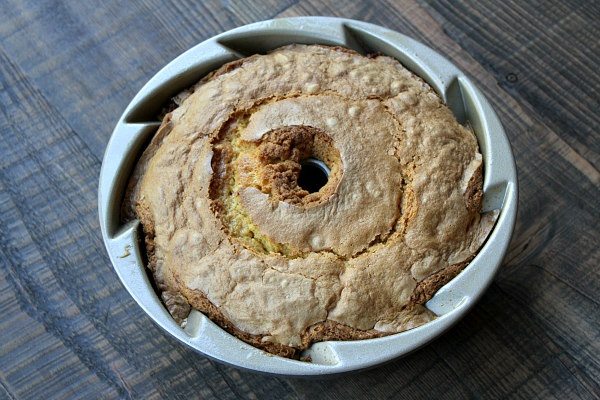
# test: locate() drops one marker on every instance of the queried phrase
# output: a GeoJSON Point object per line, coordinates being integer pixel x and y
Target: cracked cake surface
{"type": "Point", "coordinates": [230, 231]}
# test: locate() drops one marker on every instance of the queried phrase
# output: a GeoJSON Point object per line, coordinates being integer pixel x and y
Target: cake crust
{"type": "Point", "coordinates": [229, 232]}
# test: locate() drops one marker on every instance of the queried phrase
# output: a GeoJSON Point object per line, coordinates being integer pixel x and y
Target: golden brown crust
{"type": "Point", "coordinates": [210, 310]}
{"type": "Point", "coordinates": [176, 304]}
{"type": "Point", "coordinates": [425, 289]}
{"type": "Point", "coordinates": [326, 330]}
{"type": "Point", "coordinates": [229, 231]}
{"type": "Point", "coordinates": [281, 151]}
{"type": "Point", "coordinates": [474, 192]}
{"type": "Point", "coordinates": [131, 196]}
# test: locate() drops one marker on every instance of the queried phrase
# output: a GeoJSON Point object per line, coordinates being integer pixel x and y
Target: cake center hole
{"type": "Point", "coordinates": [313, 175]}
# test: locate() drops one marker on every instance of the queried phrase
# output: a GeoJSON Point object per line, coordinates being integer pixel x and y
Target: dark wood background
{"type": "Point", "coordinates": [68, 328]}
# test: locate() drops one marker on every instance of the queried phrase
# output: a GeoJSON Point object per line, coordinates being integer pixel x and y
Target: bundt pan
{"type": "Point", "coordinates": [139, 122]}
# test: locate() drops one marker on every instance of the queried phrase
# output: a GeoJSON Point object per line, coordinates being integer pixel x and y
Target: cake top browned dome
{"type": "Point", "coordinates": [231, 226]}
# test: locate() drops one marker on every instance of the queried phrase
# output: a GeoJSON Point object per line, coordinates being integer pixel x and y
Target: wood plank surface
{"type": "Point", "coordinates": [68, 328]}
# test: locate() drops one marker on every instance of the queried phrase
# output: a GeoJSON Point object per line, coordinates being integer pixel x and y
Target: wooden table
{"type": "Point", "coordinates": [69, 329]}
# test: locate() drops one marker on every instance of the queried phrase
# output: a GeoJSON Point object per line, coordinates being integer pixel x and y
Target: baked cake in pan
{"type": "Point", "coordinates": [236, 226]}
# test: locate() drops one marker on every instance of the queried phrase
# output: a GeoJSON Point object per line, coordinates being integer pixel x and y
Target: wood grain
{"type": "Point", "coordinates": [70, 330]}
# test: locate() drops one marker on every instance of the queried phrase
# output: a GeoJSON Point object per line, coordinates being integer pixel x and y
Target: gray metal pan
{"type": "Point", "coordinates": [138, 123]}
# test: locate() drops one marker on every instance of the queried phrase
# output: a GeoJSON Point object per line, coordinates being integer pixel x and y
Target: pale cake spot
{"type": "Point", "coordinates": [316, 242]}
{"type": "Point", "coordinates": [312, 87]}
{"type": "Point", "coordinates": [281, 58]}
{"type": "Point", "coordinates": [353, 111]}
